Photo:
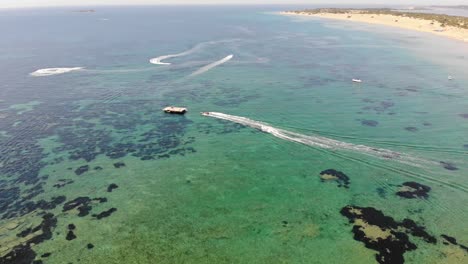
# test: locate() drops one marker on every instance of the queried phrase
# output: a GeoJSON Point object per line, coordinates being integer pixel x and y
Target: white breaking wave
{"type": "Point", "coordinates": [212, 65]}
{"type": "Point", "coordinates": [53, 71]}
{"type": "Point", "coordinates": [321, 142]}
{"type": "Point", "coordinates": [159, 60]}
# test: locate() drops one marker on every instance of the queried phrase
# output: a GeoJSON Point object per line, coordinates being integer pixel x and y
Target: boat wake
{"type": "Point", "coordinates": [211, 65]}
{"type": "Point", "coordinates": [322, 142]}
{"type": "Point", "coordinates": [53, 71]}
{"type": "Point", "coordinates": [159, 60]}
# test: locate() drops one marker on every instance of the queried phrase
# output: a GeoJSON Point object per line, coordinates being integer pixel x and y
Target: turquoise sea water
{"type": "Point", "coordinates": [92, 171]}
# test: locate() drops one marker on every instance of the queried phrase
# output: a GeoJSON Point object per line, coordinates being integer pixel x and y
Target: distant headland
{"type": "Point", "coordinates": [455, 27]}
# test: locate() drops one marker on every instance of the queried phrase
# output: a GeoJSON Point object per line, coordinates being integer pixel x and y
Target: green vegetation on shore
{"type": "Point", "coordinates": [444, 20]}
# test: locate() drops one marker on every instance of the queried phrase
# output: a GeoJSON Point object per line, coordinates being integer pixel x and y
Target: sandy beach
{"type": "Point", "coordinates": [429, 26]}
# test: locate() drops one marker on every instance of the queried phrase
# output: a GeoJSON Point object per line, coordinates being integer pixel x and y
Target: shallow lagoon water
{"type": "Point", "coordinates": [192, 189]}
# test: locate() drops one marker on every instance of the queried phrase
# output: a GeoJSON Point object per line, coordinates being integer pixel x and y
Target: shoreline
{"type": "Point", "coordinates": [409, 23]}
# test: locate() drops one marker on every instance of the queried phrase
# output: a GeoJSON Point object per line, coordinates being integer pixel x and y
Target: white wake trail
{"type": "Point", "coordinates": [322, 142]}
{"type": "Point", "coordinates": [159, 60]}
{"type": "Point", "coordinates": [53, 71]}
{"type": "Point", "coordinates": [211, 66]}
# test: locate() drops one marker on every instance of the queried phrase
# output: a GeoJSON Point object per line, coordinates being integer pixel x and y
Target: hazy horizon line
{"type": "Point", "coordinates": [217, 4]}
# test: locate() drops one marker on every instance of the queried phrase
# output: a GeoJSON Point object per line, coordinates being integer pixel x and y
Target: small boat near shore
{"type": "Point", "coordinates": [175, 110]}
{"type": "Point", "coordinates": [357, 80]}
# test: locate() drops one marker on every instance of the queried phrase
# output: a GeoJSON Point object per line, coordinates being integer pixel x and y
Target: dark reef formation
{"type": "Point", "coordinates": [411, 190]}
{"type": "Point", "coordinates": [70, 235]}
{"type": "Point", "coordinates": [411, 129]}
{"type": "Point", "coordinates": [82, 170]}
{"type": "Point", "coordinates": [383, 107]}
{"type": "Point", "coordinates": [371, 123]}
{"type": "Point", "coordinates": [105, 213]}
{"type": "Point", "coordinates": [82, 204]}
{"type": "Point", "coordinates": [111, 187]}
{"type": "Point", "coordinates": [62, 183]}
{"type": "Point", "coordinates": [119, 165]}
{"type": "Point", "coordinates": [66, 122]}
{"type": "Point", "coordinates": [337, 176]}
{"type": "Point", "coordinates": [383, 234]}
{"type": "Point", "coordinates": [448, 166]}
{"type": "Point", "coordinates": [23, 253]}
{"type": "Point", "coordinates": [453, 241]}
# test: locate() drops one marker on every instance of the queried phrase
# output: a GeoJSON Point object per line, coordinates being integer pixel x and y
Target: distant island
{"type": "Point", "coordinates": [86, 11]}
{"type": "Point", "coordinates": [445, 25]}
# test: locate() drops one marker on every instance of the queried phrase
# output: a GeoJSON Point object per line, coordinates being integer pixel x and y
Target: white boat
{"type": "Point", "coordinates": [450, 77]}
{"type": "Point", "coordinates": [357, 80]}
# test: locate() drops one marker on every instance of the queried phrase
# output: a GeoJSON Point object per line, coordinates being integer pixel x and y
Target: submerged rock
{"type": "Point", "coordinates": [371, 123]}
{"type": "Point", "coordinates": [23, 253]}
{"type": "Point", "coordinates": [383, 234]}
{"type": "Point", "coordinates": [453, 241]}
{"type": "Point", "coordinates": [381, 192]}
{"type": "Point", "coordinates": [82, 204]}
{"type": "Point", "coordinates": [411, 190]}
{"type": "Point", "coordinates": [119, 165]}
{"type": "Point", "coordinates": [62, 182]}
{"type": "Point", "coordinates": [448, 165]}
{"type": "Point", "coordinates": [82, 170]}
{"type": "Point", "coordinates": [334, 175]}
{"type": "Point", "coordinates": [105, 213]}
{"type": "Point", "coordinates": [111, 187]}
{"type": "Point", "coordinates": [411, 129]}
{"type": "Point", "coordinates": [70, 235]}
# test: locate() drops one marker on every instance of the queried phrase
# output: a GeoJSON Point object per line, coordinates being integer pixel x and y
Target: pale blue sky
{"type": "Point", "coordinates": [31, 3]}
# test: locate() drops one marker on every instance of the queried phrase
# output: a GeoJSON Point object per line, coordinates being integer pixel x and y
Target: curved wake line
{"type": "Point", "coordinates": [159, 60]}
{"type": "Point", "coordinates": [53, 71]}
{"type": "Point", "coordinates": [323, 142]}
{"type": "Point", "coordinates": [211, 65]}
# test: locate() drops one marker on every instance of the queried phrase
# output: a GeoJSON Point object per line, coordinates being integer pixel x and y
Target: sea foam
{"type": "Point", "coordinates": [53, 71]}
{"type": "Point", "coordinates": [212, 65]}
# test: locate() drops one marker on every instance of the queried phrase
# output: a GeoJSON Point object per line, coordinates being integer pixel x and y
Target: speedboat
{"type": "Point", "coordinates": [357, 80]}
